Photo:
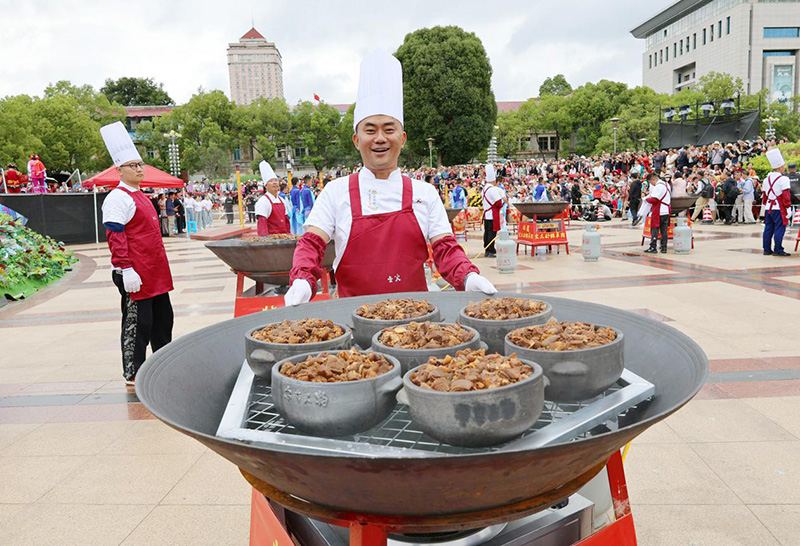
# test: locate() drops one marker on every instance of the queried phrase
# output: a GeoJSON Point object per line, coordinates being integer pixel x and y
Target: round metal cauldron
{"type": "Point", "coordinates": [364, 328]}
{"type": "Point", "coordinates": [576, 375]}
{"type": "Point", "coordinates": [411, 358]}
{"type": "Point", "coordinates": [542, 211]}
{"type": "Point", "coordinates": [261, 259]}
{"type": "Point", "coordinates": [188, 383]}
{"type": "Point", "coordinates": [493, 332]}
{"type": "Point", "coordinates": [262, 355]}
{"type": "Point", "coordinates": [476, 418]}
{"type": "Point", "coordinates": [452, 213]}
{"type": "Point", "coordinates": [680, 204]}
{"type": "Point", "coordinates": [335, 409]}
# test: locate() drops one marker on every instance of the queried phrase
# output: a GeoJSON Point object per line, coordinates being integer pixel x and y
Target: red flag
{"type": "Point", "coordinates": [316, 97]}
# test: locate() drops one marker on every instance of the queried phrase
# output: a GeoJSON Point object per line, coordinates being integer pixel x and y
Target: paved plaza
{"type": "Point", "coordinates": [83, 462]}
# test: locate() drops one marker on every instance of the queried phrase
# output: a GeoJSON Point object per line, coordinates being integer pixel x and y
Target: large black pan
{"type": "Point", "coordinates": [187, 385]}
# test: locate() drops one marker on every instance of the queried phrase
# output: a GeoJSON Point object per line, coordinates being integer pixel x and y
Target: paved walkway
{"type": "Point", "coordinates": [82, 462]}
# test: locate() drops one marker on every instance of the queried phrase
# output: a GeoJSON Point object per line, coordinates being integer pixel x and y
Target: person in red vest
{"type": "Point", "coordinates": [13, 179]}
{"type": "Point", "coordinates": [270, 208]}
{"type": "Point", "coordinates": [141, 270]}
{"type": "Point", "coordinates": [381, 221]}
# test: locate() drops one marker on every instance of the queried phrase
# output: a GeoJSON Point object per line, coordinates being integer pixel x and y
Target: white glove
{"type": "Point", "coordinates": [299, 292]}
{"type": "Point", "coordinates": [479, 283]}
{"type": "Point", "coordinates": [131, 280]}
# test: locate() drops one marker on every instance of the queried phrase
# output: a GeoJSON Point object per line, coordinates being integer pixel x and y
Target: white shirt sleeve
{"type": "Point", "coordinates": [323, 214]}
{"type": "Point", "coordinates": [437, 222]}
{"type": "Point", "coordinates": [118, 207]}
{"type": "Point", "coordinates": [263, 206]}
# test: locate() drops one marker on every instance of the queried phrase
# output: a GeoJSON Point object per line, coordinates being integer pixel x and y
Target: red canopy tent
{"type": "Point", "coordinates": [153, 178]}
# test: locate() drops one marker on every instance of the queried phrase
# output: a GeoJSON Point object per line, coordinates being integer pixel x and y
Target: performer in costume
{"type": "Point", "coordinates": [297, 211]}
{"type": "Point", "coordinates": [141, 269]}
{"type": "Point", "coordinates": [38, 175]}
{"type": "Point", "coordinates": [459, 196]}
{"type": "Point", "coordinates": [13, 179]}
{"type": "Point", "coordinates": [380, 221]}
{"type": "Point", "coordinates": [306, 197]}
{"type": "Point", "coordinates": [270, 208]}
{"type": "Point", "coordinates": [777, 198]}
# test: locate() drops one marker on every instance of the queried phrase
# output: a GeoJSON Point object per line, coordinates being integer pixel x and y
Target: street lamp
{"type": "Point", "coordinates": [684, 112]}
{"type": "Point", "coordinates": [707, 108]}
{"type": "Point", "coordinates": [728, 105]}
{"type": "Point", "coordinates": [430, 150]}
{"type": "Point", "coordinates": [615, 121]}
{"type": "Point", "coordinates": [770, 132]}
{"type": "Point", "coordinates": [174, 157]}
{"type": "Point", "coordinates": [643, 141]}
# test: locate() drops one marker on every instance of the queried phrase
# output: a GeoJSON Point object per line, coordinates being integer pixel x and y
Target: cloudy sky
{"type": "Point", "coordinates": [182, 43]}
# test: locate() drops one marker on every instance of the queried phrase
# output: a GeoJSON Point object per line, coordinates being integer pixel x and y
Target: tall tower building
{"type": "Point", "coordinates": [255, 69]}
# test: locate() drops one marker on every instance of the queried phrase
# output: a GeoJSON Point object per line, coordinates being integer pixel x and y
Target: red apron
{"type": "Point", "coordinates": [655, 211]}
{"type": "Point", "coordinates": [384, 252]}
{"type": "Point", "coordinates": [771, 198]}
{"type": "Point", "coordinates": [146, 249]}
{"type": "Point", "coordinates": [496, 207]}
{"type": "Point", "coordinates": [277, 222]}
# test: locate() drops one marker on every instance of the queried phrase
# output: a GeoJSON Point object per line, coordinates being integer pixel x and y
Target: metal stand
{"type": "Point", "coordinates": [252, 301]}
{"type": "Point", "coordinates": [274, 516]}
{"type": "Point", "coordinates": [550, 233]}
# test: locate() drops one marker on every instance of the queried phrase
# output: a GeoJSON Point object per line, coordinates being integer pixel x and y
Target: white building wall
{"type": "Point", "coordinates": [740, 53]}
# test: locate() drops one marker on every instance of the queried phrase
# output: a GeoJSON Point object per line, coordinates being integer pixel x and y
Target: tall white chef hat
{"type": "Point", "coordinates": [267, 173]}
{"type": "Point", "coordinates": [775, 158]}
{"type": "Point", "coordinates": [380, 87]}
{"type": "Point", "coordinates": [491, 175]}
{"type": "Point", "coordinates": [119, 143]}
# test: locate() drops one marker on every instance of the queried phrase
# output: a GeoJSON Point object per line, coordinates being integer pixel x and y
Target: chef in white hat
{"type": "Point", "coordinates": [380, 221]}
{"type": "Point", "coordinates": [493, 200]}
{"type": "Point", "coordinates": [270, 208]}
{"type": "Point", "coordinates": [777, 199]}
{"type": "Point", "coordinates": [140, 266]}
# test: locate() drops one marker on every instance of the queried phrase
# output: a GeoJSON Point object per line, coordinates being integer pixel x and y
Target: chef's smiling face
{"type": "Point", "coordinates": [379, 139]}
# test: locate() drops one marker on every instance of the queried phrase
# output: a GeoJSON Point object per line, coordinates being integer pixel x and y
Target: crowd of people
{"type": "Point", "coordinates": [598, 187]}
{"type": "Point", "coordinates": [601, 187]}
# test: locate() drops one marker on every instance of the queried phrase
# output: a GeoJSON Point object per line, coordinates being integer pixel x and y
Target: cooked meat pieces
{"type": "Point", "coordinates": [470, 371]}
{"type": "Point", "coordinates": [504, 308]}
{"type": "Point", "coordinates": [350, 365]}
{"type": "Point", "coordinates": [425, 335]}
{"type": "Point", "coordinates": [395, 309]}
{"type": "Point", "coordinates": [299, 331]}
{"type": "Point", "coordinates": [274, 237]}
{"type": "Point", "coordinates": [562, 336]}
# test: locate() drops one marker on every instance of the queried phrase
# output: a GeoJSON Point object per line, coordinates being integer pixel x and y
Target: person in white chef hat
{"type": "Point", "coordinates": [380, 221]}
{"type": "Point", "coordinates": [270, 208]}
{"type": "Point", "coordinates": [777, 200]}
{"type": "Point", "coordinates": [141, 270]}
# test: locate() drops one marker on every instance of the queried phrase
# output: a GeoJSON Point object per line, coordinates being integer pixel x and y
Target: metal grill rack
{"type": "Point", "coordinates": [252, 417]}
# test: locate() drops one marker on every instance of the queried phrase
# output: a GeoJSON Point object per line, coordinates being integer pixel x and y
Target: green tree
{"type": "Point", "coordinates": [136, 92]}
{"type": "Point", "coordinates": [317, 128]}
{"type": "Point", "coordinates": [206, 125]}
{"type": "Point", "coordinates": [719, 85]}
{"type": "Point", "coordinates": [265, 126]}
{"type": "Point", "coordinates": [549, 114]}
{"type": "Point", "coordinates": [557, 85]}
{"type": "Point", "coordinates": [511, 130]}
{"type": "Point", "coordinates": [447, 86]}
{"type": "Point", "coordinates": [17, 140]}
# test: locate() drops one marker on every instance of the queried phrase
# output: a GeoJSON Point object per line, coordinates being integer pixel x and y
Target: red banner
{"type": "Point", "coordinates": [542, 233]}
{"type": "Point", "coordinates": [670, 231]}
